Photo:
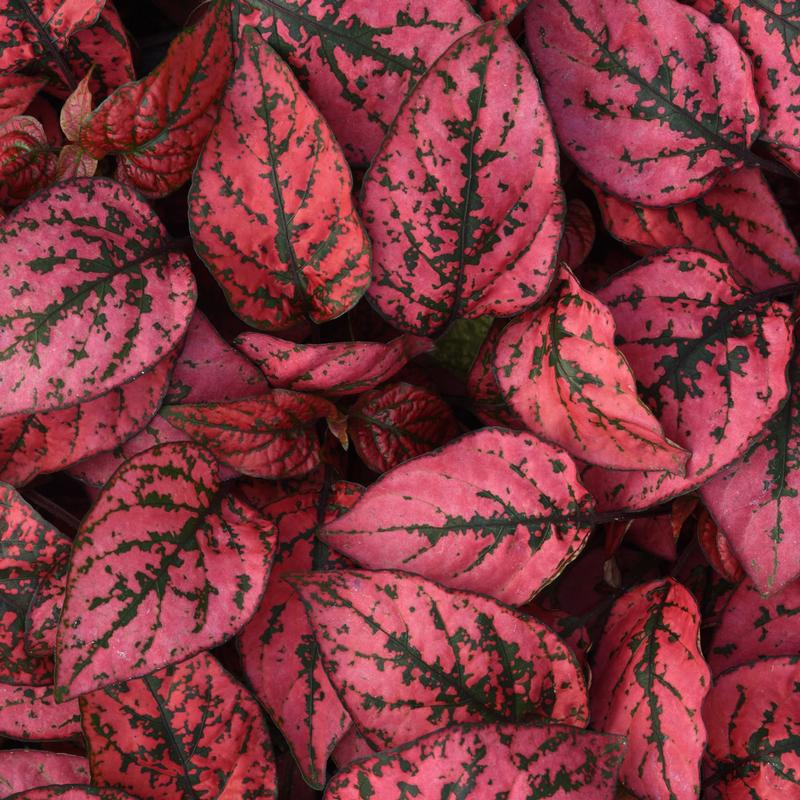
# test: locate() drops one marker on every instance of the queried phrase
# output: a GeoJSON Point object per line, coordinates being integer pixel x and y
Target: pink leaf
{"type": "Point", "coordinates": [16, 94]}
{"type": "Point", "coordinates": [21, 770]}
{"type": "Point", "coordinates": [30, 713]}
{"type": "Point", "coordinates": [27, 162]}
{"type": "Point", "coordinates": [76, 108]}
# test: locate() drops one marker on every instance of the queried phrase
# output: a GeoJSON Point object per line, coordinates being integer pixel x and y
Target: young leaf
{"type": "Point", "coordinates": [496, 511]}
{"type": "Point", "coordinates": [338, 368]}
{"type": "Point", "coordinates": [30, 713]}
{"type": "Point", "coordinates": [27, 162]}
{"type": "Point", "coordinates": [579, 233]}
{"type": "Point", "coordinates": [21, 770]}
{"type": "Point", "coordinates": [649, 681]}
{"type": "Point", "coordinates": [16, 94]}
{"type": "Point", "coordinates": [74, 163]}
{"type": "Point", "coordinates": [91, 298]}
{"type": "Point", "coordinates": [710, 360]}
{"type": "Point", "coordinates": [184, 732]}
{"type": "Point", "coordinates": [561, 373]}
{"type": "Point", "coordinates": [753, 714]}
{"type": "Point", "coordinates": [717, 550]}
{"type": "Point", "coordinates": [165, 564]}
{"type": "Point", "coordinates": [76, 108]}
{"type": "Point", "coordinates": [271, 436]}
{"type": "Point", "coordinates": [738, 219]}
{"type": "Point", "coordinates": [482, 761]}
{"type": "Point", "coordinates": [157, 125]}
{"type": "Point", "coordinates": [462, 201]}
{"type": "Point", "coordinates": [668, 94]}
{"type": "Point", "coordinates": [407, 656]}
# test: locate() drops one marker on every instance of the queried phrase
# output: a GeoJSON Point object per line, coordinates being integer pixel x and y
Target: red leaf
{"type": "Point", "coordinates": [351, 746]}
{"type": "Point", "coordinates": [483, 761]}
{"type": "Point", "coordinates": [496, 511]}
{"type": "Point", "coordinates": [157, 125]}
{"type": "Point", "coordinates": [279, 655]}
{"type": "Point", "coordinates": [579, 232]}
{"type": "Point", "coordinates": [72, 793]}
{"type": "Point", "coordinates": [21, 770]}
{"type": "Point", "coordinates": [74, 163]}
{"type": "Point", "coordinates": [407, 656]}
{"type": "Point", "coordinates": [27, 162]}
{"type": "Point", "coordinates": [738, 219]}
{"type": "Point", "coordinates": [187, 731]}
{"type": "Point", "coordinates": [649, 683]}
{"type": "Point", "coordinates": [76, 108]}
{"type": "Point", "coordinates": [462, 201]}
{"type": "Point", "coordinates": [338, 368]}
{"type": "Point", "coordinates": [110, 299]}
{"type": "Point", "coordinates": [41, 618]}
{"type": "Point", "coordinates": [30, 713]}
{"type": "Point", "coordinates": [16, 94]}
{"type": "Point", "coordinates": [165, 564]}
{"type": "Point", "coordinates": [504, 10]}
{"type": "Point", "coordinates": [668, 95]}
{"type": "Point", "coordinates": [716, 549]}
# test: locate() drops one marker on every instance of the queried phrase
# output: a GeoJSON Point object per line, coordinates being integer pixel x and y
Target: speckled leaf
{"type": "Point", "coordinates": [29, 548]}
{"type": "Point", "coordinates": [279, 654]}
{"type": "Point", "coordinates": [561, 373]}
{"type": "Point", "coordinates": [337, 368]}
{"type": "Point", "coordinates": [41, 618]}
{"type": "Point", "coordinates": [30, 713]}
{"type": "Point", "coordinates": [716, 549]}
{"type": "Point", "coordinates": [504, 10]}
{"type": "Point", "coordinates": [165, 564]}
{"type": "Point", "coordinates": [710, 360]}
{"type": "Point", "coordinates": [157, 125]}
{"type": "Point", "coordinates": [649, 683]}
{"type": "Point", "coordinates": [74, 792]}
{"type": "Point", "coordinates": [753, 718]}
{"type": "Point", "coordinates": [76, 108]}
{"type": "Point", "coordinates": [579, 233]}
{"type": "Point", "coordinates": [90, 295]}
{"type": "Point", "coordinates": [73, 162]}
{"type": "Point", "coordinates": [649, 99]}
{"type": "Point", "coordinates": [270, 209]}
{"type": "Point", "coordinates": [738, 219]}
{"type": "Point", "coordinates": [185, 732]}
{"type": "Point", "coordinates": [16, 94]}
{"type": "Point", "coordinates": [482, 761]}
{"type": "Point", "coordinates": [358, 58]}
{"type": "Point", "coordinates": [392, 424]}
{"type": "Point", "coordinates": [27, 162]}
{"type": "Point", "coordinates": [497, 511]}
{"type": "Point", "coordinates": [271, 436]}
{"type": "Point", "coordinates": [462, 201]}
{"type": "Point", "coordinates": [21, 770]}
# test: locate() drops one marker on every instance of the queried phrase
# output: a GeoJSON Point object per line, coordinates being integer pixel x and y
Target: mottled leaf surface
{"type": "Point", "coordinates": [30, 713]}
{"type": "Point", "coordinates": [27, 162]}
{"type": "Point", "coordinates": [504, 10]}
{"type": "Point", "coordinates": [74, 792]}
{"type": "Point", "coordinates": [165, 564]}
{"type": "Point", "coordinates": [649, 99]}
{"type": "Point", "coordinates": [462, 201]}
{"type": "Point", "coordinates": [16, 94]}
{"type": "Point", "coordinates": [649, 682]}
{"type": "Point", "coordinates": [407, 656]}
{"type": "Point", "coordinates": [21, 770]}
{"type": "Point", "coordinates": [717, 550]}
{"type": "Point", "coordinates": [41, 617]}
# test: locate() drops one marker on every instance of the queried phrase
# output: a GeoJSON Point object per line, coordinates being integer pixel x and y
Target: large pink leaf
{"type": "Point", "coordinates": [649, 682]}
{"type": "Point", "coordinates": [165, 564]}
{"type": "Point", "coordinates": [21, 770]}
{"type": "Point", "coordinates": [710, 360]}
{"type": "Point", "coordinates": [462, 201]}
{"type": "Point", "coordinates": [496, 511]}
{"type": "Point", "coordinates": [279, 654]}
{"type": "Point", "coordinates": [16, 94]}
{"type": "Point", "coordinates": [738, 219]}
{"type": "Point", "coordinates": [157, 125]}
{"type": "Point", "coordinates": [561, 373]}
{"type": "Point", "coordinates": [74, 792]}
{"type": "Point", "coordinates": [271, 209]}
{"type": "Point", "coordinates": [358, 58]}
{"type": "Point", "coordinates": [407, 656]}
{"type": "Point", "coordinates": [185, 732]}
{"type": "Point", "coordinates": [650, 100]}
{"type": "Point", "coordinates": [30, 713]}
{"type": "Point", "coordinates": [484, 761]}
{"type": "Point", "coordinates": [91, 295]}
{"type": "Point", "coordinates": [338, 368]}
{"type": "Point", "coordinates": [27, 162]}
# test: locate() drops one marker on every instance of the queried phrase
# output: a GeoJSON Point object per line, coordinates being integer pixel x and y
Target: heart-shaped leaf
{"type": "Point", "coordinates": [649, 681]}
{"type": "Point", "coordinates": [30, 713]}
{"type": "Point", "coordinates": [27, 162]}
{"type": "Point", "coordinates": [336, 369]}
{"type": "Point", "coordinates": [270, 209]}
{"type": "Point", "coordinates": [462, 201]}
{"type": "Point", "coordinates": [21, 770]}
{"type": "Point", "coordinates": [91, 296]}
{"type": "Point", "coordinates": [407, 656]}
{"type": "Point", "coordinates": [184, 732]}
{"type": "Point", "coordinates": [16, 94]}
{"type": "Point", "coordinates": [165, 564]}
{"type": "Point", "coordinates": [496, 511]}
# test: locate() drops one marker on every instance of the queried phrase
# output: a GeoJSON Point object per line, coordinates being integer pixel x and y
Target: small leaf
{"type": "Point", "coordinates": [76, 108]}
{"type": "Point", "coordinates": [504, 10]}
{"type": "Point", "coordinates": [165, 564]}
{"type": "Point", "coordinates": [716, 549]}
{"type": "Point", "coordinates": [496, 511]}
{"type": "Point", "coordinates": [16, 94]}
{"type": "Point", "coordinates": [407, 656]}
{"type": "Point", "coordinates": [73, 162]}
{"type": "Point", "coordinates": [462, 201]}
{"type": "Point", "coordinates": [30, 713]}
{"type": "Point", "coordinates": [21, 770]}
{"type": "Point", "coordinates": [579, 233]}
{"type": "Point", "coordinates": [27, 162]}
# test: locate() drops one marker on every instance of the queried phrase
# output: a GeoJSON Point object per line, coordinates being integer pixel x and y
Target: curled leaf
{"type": "Point", "coordinates": [27, 162]}
{"type": "Point", "coordinates": [579, 232]}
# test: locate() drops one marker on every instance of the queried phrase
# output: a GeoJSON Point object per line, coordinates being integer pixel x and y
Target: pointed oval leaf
{"type": "Point", "coordinates": [165, 564]}
{"type": "Point", "coordinates": [482, 761]}
{"type": "Point", "coordinates": [27, 162]}
{"type": "Point", "coordinates": [710, 360]}
{"type": "Point", "coordinates": [579, 233]}
{"type": "Point", "coordinates": [496, 511]}
{"type": "Point", "coordinates": [41, 617]}
{"type": "Point", "coordinates": [21, 770]}
{"type": "Point", "coordinates": [184, 732]}
{"type": "Point", "coordinates": [30, 713]}
{"type": "Point", "coordinates": [738, 219]}
{"type": "Point", "coordinates": [666, 94]}
{"type": "Point", "coordinates": [392, 424]}
{"type": "Point", "coordinates": [16, 94]}
{"type": "Point", "coordinates": [157, 125]}
{"type": "Point", "coordinates": [407, 656]}
{"type": "Point", "coordinates": [76, 108]}
{"type": "Point", "coordinates": [649, 683]}
{"type": "Point", "coordinates": [74, 792]}
{"type": "Point", "coordinates": [560, 371]}
{"type": "Point", "coordinates": [91, 295]}
{"type": "Point", "coordinates": [337, 368]}
{"type": "Point", "coordinates": [462, 201]}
